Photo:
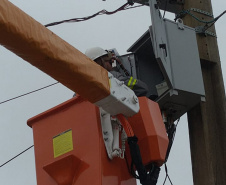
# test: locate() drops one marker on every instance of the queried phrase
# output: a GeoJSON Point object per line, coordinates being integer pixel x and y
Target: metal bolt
{"type": "Point", "coordinates": [121, 83]}
{"type": "Point", "coordinates": [103, 114]}
{"type": "Point", "coordinates": [135, 99]}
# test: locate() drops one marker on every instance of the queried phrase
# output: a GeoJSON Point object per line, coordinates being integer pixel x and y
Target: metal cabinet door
{"type": "Point", "coordinates": [159, 41]}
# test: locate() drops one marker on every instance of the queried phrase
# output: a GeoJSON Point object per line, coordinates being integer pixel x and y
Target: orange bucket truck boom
{"type": "Point", "coordinates": [82, 141]}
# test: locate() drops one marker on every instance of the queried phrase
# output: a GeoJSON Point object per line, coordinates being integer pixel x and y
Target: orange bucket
{"type": "Point", "coordinates": [69, 147]}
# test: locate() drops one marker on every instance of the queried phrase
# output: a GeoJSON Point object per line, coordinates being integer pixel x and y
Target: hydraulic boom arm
{"type": "Point", "coordinates": [30, 40]}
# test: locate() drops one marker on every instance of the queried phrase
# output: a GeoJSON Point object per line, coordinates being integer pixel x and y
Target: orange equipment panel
{"type": "Point", "coordinates": [69, 148]}
{"type": "Point", "coordinates": [149, 128]}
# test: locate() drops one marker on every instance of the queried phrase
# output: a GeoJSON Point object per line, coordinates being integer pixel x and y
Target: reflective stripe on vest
{"type": "Point", "coordinates": [132, 82]}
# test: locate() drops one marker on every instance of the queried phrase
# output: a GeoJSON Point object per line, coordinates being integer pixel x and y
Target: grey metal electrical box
{"type": "Point", "coordinates": [168, 62]}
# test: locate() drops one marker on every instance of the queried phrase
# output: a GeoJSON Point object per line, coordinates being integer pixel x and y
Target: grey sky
{"type": "Point", "coordinates": [17, 77]}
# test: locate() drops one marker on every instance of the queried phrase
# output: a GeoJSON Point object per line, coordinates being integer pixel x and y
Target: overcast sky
{"type": "Point", "coordinates": [17, 77]}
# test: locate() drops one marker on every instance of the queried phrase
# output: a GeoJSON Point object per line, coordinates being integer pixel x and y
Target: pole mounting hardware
{"type": "Point", "coordinates": [201, 12]}
{"type": "Point", "coordinates": [201, 30]}
{"type": "Point", "coordinates": [180, 24]}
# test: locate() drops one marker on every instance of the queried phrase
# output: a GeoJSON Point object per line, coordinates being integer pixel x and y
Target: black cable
{"type": "Point", "coordinates": [171, 131]}
{"type": "Point", "coordinates": [167, 176]}
{"type": "Point", "coordinates": [165, 9]}
{"type": "Point", "coordinates": [171, 135]}
{"type": "Point", "coordinates": [127, 164]}
{"type": "Point", "coordinates": [216, 19]}
{"type": "Point", "coordinates": [133, 171]}
{"type": "Point", "coordinates": [16, 156]}
{"type": "Point", "coordinates": [28, 93]}
{"type": "Point", "coordinates": [184, 12]}
{"type": "Point", "coordinates": [102, 12]}
{"type": "Point", "coordinates": [177, 122]}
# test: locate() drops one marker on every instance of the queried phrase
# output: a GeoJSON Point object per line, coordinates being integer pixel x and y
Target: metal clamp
{"type": "Point", "coordinates": [201, 30]}
{"type": "Point", "coordinates": [180, 24]}
{"type": "Point", "coordinates": [201, 11]}
{"type": "Point", "coordinates": [210, 33]}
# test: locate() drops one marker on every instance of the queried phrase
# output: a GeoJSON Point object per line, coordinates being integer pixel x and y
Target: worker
{"type": "Point", "coordinates": [105, 59]}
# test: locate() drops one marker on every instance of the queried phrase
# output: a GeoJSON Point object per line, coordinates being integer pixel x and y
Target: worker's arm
{"type": "Point", "coordinates": [121, 66]}
{"type": "Point", "coordinates": [139, 87]}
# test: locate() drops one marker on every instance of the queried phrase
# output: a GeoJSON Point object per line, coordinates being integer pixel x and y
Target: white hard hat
{"type": "Point", "coordinates": [96, 52]}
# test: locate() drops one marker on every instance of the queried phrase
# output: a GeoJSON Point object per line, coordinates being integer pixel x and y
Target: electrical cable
{"type": "Point", "coordinates": [102, 12]}
{"type": "Point", "coordinates": [165, 10]}
{"type": "Point", "coordinates": [125, 124]}
{"type": "Point", "coordinates": [196, 18]}
{"type": "Point", "coordinates": [171, 130]}
{"type": "Point", "coordinates": [16, 156]}
{"type": "Point", "coordinates": [216, 19]}
{"type": "Point", "coordinates": [184, 12]}
{"type": "Point", "coordinates": [127, 163]}
{"type": "Point", "coordinates": [171, 135]}
{"type": "Point", "coordinates": [28, 93]}
{"type": "Point", "coordinates": [167, 176]}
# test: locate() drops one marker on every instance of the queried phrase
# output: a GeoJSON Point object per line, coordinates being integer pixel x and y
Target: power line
{"type": "Point", "coordinates": [208, 26]}
{"type": "Point", "coordinates": [28, 93]}
{"type": "Point", "coordinates": [16, 156]}
{"type": "Point", "coordinates": [102, 12]}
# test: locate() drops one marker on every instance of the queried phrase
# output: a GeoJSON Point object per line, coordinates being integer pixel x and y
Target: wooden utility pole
{"type": "Point", "coordinates": [207, 121]}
